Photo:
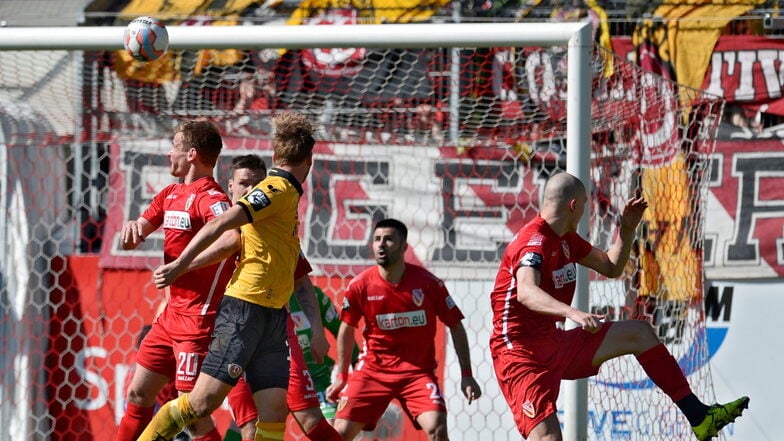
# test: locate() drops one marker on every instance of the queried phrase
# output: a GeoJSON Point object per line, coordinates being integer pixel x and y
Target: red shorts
{"type": "Point", "coordinates": [301, 393]}
{"type": "Point", "coordinates": [241, 403]}
{"type": "Point", "coordinates": [176, 346]}
{"type": "Point", "coordinates": [367, 395]}
{"type": "Point", "coordinates": [530, 377]}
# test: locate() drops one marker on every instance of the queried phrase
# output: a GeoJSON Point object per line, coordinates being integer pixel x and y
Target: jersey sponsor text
{"type": "Point", "coordinates": [565, 275]}
{"type": "Point", "coordinates": [397, 320]}
{"type": "Point", "coordinates": [177, 220]}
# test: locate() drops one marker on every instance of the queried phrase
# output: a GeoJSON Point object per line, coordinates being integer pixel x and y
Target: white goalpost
{"type": "Point", "coordinates": [451, 128]}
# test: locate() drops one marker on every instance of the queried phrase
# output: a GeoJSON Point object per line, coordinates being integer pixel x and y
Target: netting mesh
{"type": "Point", "coordinates": [454, 142]}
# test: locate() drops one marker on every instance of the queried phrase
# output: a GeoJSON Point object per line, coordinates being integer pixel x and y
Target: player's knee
{"type": "Point", "coordinates": [641, 333]}
{"type": "Point", "coordinates": [204, 406]}
{"type": "Point", "coordinates": [308, 418]}
{"type": "Point", "coordinates": [437, 433]}
{"type": "Point", "coordinates": [141, 397]}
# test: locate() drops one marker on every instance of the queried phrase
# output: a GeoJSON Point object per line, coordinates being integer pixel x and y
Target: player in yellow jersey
{"type": "Point", "coordinates": [250, 330]}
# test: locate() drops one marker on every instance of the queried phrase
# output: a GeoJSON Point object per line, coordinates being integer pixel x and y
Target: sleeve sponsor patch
{"type": "Point", "coordinates": [450, 303]}
{"type": "Point", "coordinates": [257, 199]}
{"type": "Point", "coordinates": [219, 208]}
{"type": "Point", "coordinates": [531, 259]}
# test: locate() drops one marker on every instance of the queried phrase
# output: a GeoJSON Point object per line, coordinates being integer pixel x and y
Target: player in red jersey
{"type": "Point", "coordinates": [533, 291]}
{"type": "Point", "coordinates": [399, 303]}
{"type": "Point", "coordinates": [179, 337]}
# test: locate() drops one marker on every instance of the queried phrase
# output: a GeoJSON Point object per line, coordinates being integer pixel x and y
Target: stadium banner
{"type": "Point", "coordinates": [464, 210]}
{"type": "Point", "coordinates": [743, 69]}
{"type": "Point", "coordinates": [739, 312]}
{"type": "Point", "coordinates": [744, 234]}
{"type": "Point", "coordinates": [94, 332]}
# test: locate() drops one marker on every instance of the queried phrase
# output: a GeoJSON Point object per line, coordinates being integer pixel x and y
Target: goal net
{"type": "Point", "coordinates": [454, 140]}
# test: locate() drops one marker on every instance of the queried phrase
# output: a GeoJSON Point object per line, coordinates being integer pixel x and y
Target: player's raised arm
{"type": "Point", "coordinates": [233, 218]}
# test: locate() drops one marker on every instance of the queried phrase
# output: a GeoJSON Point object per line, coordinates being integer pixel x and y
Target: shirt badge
{"type": "Point", "coordinates": [189, 202]}
{"type": "Point", "coordinates": [528, 409]}
{"type": "Point", "coordinates": [565, 248]}
{"type": "Point", "coordinates": [418, 295]}
{"type": "Point", "coordinates": [234, 370]}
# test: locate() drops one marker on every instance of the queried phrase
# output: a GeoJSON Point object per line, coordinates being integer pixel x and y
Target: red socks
{"type": "Point", "coordinates": [134, 421]}
{"type": "Point", "coordinates": [663, 369]}
{"type": "Point", "coordinates": [323, 432]}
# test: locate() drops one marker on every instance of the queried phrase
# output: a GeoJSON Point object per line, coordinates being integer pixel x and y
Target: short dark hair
{"type": "Point", "coordinates": [252, 162]}
{"type": "Point", "coordinates": [204, 136]}
{"type": "Point", "coordinates": [395, 224]}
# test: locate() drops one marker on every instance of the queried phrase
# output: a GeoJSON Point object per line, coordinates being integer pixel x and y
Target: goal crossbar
{"type": "Point", "coordinates": [299, 37]}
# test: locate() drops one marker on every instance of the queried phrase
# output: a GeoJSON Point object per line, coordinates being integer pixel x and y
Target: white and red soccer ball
{"type": "Point", "coordinates": [146, 38]}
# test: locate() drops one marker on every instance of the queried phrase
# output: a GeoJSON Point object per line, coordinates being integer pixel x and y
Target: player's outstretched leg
{"type": "Point", "coordinates": [719, 415]}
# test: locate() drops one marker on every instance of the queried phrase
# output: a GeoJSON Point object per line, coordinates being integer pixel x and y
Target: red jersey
{"type": "Point", "coordinates": [400, 319]}
{"type": "Point", "coordinates": [538, 246]}
{"type": "Point", "coordinates": [182, 210]}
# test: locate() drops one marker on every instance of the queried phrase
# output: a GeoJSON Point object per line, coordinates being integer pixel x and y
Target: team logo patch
{"type": "Point", "coordinates": [565, 248]}
{"type": "Point", "coordinates": [189, 202]}
{"type": "Point", "coordinates": [450, 303]}
{"type": "Point", "coordinates": [342, 403]}
{"type": "Point", "coordinates": [257, 199]}
{"type": "Point", "coordinates": [219, 207]}
{"type": "Point", "coordinates": [346, 304]}
{"type": "Point", "coordinates": [418, 295]}
{"type": "Point", "coordinates": [531, 259]}
{"type": "Point", "coordinates": [234, 370]}
{"type": "Point", "coordinates": [528, 409]}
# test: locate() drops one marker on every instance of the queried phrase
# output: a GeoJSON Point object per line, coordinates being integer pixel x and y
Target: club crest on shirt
{"type": "Point", "coordinates": [234, 370]}
{"type": "Point", "coordinates": [528, 409]}
{"type": "Point", "coordinates": [189, 202]}
{"type": "Point", "coordinates": [418, 296]}
{"type": "Point", "coordinates": [565, 248]}
{"type": "Point", "coordinates": [342, 403]}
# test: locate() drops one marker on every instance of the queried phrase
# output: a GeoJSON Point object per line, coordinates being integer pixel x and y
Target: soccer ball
{"type": "Point", "coordinates": [146, 38]}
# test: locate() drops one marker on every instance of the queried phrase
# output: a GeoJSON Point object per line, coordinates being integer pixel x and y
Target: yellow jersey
{"type": "Point", "coordinates": [270, 242]}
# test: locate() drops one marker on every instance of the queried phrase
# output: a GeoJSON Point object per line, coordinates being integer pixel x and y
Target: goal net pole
{"type": "Point", "coordinates": [576, 36]}
{"type": "Point", "coordinates": [578, 163]}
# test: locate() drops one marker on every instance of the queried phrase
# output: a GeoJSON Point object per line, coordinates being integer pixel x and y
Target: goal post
{"type": "Point", "coordinates": [455, 143]}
